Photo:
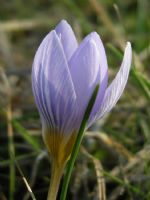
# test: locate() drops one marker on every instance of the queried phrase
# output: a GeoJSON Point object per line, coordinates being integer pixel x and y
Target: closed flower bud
{"type": "Point", "coordinates": [64, 75]}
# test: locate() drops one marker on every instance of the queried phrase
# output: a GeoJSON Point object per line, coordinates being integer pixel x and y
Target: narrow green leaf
{"type": "Point", "coordinates": [26, 136]}
{"type": "Point", "coordinates": [115, 51]}
{"type": "Point", "coordinates": [77, 144]}
{"type": "Point", "coordinates": [12, 174]}
{"type": "Point", "coordinates": [139, 79]}
{"type": "Point", "coordinates": [5, 163]}
{"type": "Point", "coordinates": [125, 184]}
{"type": "Point", "coordinates": [142, 82]}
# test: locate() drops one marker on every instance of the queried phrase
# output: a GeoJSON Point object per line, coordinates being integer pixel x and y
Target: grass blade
{"type": "Point", "coordinates": [25, 134]}
{"type": "Point", "coordinates": [77, 144]}
{"type": "Point", "coordinates": [25, 181]}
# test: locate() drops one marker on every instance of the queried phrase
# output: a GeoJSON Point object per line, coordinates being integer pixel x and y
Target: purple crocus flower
{"type": "Point", "coordinates": [64, 75]}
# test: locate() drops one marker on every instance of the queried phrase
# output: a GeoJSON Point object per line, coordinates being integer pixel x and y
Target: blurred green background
{"type": "Point", "coordinates": [119, 143]}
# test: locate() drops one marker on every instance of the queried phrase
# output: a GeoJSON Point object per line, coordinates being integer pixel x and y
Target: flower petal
{"type": "Point", "coordinates": [103, 74]}
{"type": "Point", "coordinates": [67, 37]}
{"type": "Point", "coordinates": [52, 85]}
{"type": "Point", "coordinates": [115, 89]}
{"type": "Point", "coordinates": [85, 72]}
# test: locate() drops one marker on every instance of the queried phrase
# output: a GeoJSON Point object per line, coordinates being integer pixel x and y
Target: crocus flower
{"type": "Point", "coordinates": [64, 75]}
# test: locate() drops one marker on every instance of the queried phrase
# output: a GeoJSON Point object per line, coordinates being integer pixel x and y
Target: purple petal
{"type": "Point", "coordinates": [102, 54]}
{"type": "Point", "coordinates": [103, 74]}
{"type": "Point", "coordinates": [85, 72]}
{"type": "Point", "coordinates": [115, 89]}
{"type": "Point", "coordinates": [67, 37]}
{"type": "Point", "coordinates": [52, 85]}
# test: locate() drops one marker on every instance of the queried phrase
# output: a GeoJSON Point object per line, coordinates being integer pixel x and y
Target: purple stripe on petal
{"type": "Point", "coordinates": [37, 78]}
{"type": "Point", "coordinates": [67, 38]}
{"type": "Point", "coordinates": [38, 100]}
{"type": "Point", "coordinates": [102, 54]}
{"type": "Point", "coordinates": [115, 89]}
{"type": "Point", "coordinates": [54, 91]}
{"type": "Point", "coordinates": [85, 72]}
{"type": "Point", "coordinates": [103, 75]}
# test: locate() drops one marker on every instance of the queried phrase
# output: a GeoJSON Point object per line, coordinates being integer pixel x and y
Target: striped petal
{"type": "Point", "coordinates": [52, 85]}
{"type": "Point", "coordinates": [67, 38]}
{"type": "Point", "coordinates": [115, 89]}
{"type": "Point", "coordinates": [85, 72]}
{"type": "Point", "coordinates": [103, 74]}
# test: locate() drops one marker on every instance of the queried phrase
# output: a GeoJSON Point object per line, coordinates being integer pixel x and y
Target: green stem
{"type": "Point", "coordinates": [56, 174]}
{"type": "Point", "coordinates": [11, 170]}
{"type": "Point", "coordinates": [77, 144]}
{"type": "Point", "coordinates": [11, 149]}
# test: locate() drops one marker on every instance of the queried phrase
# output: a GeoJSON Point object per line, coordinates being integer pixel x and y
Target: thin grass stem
{"type": "Point", "coordinates": [77, 144]}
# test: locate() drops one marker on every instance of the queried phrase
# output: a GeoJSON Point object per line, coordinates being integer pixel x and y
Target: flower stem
{"type": "Point", "coordinates": [56, 174]}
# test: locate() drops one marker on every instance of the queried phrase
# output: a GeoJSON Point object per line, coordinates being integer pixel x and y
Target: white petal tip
{"type": "Point", "coordinates": [128, 51]}
{"type": "Point", "coordinates": [92, 43]}
{"type": "Point", "coordinates": [53, 32]}
{"type": "Point", "coordinates": [128, 45]}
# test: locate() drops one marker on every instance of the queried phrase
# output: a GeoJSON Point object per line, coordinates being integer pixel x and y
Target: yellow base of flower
{"type": "Point", "coordinates": [58, 147]}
